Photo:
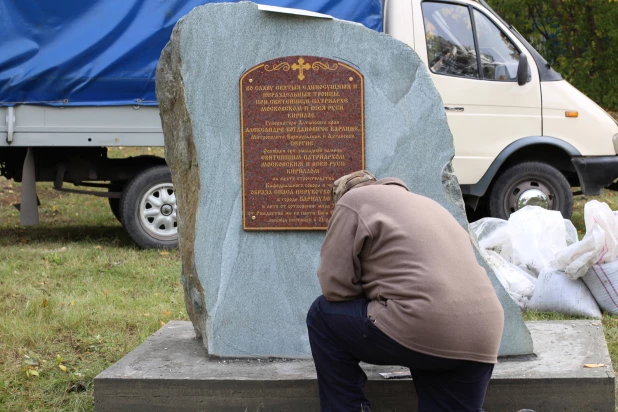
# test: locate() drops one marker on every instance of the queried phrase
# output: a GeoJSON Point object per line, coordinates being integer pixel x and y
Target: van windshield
{"type": "Point", "coordinates": [546, 73]}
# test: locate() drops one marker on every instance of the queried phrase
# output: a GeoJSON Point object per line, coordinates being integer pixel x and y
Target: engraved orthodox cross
{"type": "Point", "coordinates": [301, 67]}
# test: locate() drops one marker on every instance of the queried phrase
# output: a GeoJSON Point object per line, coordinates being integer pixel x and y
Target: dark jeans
{"type": "Point", "coordinates": [341, 336]}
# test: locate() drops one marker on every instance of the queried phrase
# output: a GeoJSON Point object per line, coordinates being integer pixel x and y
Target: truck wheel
{"type": "Point", "coordinates": [530, 184]}
{"type": "Point", "coordinates": [114, 203]}
{"type": "Point", "coordinates": [148, 209]}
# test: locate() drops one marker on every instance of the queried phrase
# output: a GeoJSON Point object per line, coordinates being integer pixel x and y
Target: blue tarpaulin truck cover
{"type": "Point", "coordinates": [105, 52]}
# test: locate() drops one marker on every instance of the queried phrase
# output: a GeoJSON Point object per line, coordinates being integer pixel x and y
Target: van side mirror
{"type": "Point", "coordinates": [522, 70]}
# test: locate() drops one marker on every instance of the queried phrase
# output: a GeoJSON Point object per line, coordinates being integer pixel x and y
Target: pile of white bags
{"type": "Point", "coordinates": [538, 259]}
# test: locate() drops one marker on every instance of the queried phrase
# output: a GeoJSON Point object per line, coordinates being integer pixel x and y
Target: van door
{"type": "Point", "coordinates": [473, 63]}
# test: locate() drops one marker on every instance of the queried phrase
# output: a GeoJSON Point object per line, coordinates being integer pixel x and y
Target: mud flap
{"type": "Point", "coordinates": [29, 209]}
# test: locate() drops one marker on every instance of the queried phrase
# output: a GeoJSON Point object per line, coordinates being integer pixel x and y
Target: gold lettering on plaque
{"type": "Point", "coordinates": [302, 126]}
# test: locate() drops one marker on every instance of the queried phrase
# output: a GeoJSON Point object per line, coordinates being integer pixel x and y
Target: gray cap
{"type": "Point", "coordinates": [348, 182]}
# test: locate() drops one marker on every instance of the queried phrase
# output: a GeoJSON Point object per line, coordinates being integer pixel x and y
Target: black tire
{"type": "Point", "coordinates": [114, 203]}
{"type": "Point", "coordinates": [521, 178]}
{"type": "Point", "coordinates": [148, 209]}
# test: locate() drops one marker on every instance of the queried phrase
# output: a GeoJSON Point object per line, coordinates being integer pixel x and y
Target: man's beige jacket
{"type": "Point", "coordinates": [416, 264]}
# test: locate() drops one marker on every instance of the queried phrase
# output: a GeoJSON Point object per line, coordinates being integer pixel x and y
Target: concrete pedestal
{"type": "Point", "coordinates": [170, 372]}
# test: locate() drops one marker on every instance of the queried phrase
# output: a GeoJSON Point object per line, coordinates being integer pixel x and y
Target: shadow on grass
{"type": "Point", "coordinates": [95, 235]}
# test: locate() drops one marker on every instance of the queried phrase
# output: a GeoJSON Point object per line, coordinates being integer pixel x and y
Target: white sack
{"type": "Point", "coordinates": [600, 245]}
{"type": "Point", "coordinates": [536, 234]}
{"type": "Point", "coordinates": [517, 283]}
{"type": "Point", "coordinates": [492, 234]}
{"type": "Point", "coordinates": [576, 259]}
{"type": "Point", "coordinates": [602, 280]}
{"type": "Point", "coordinates": [555, 292]}
{"type": "Point", "coordinates": [571, 232]}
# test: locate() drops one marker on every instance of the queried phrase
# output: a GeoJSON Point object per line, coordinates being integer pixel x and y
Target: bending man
{"type": "Point", "coordinates": [401, 286]}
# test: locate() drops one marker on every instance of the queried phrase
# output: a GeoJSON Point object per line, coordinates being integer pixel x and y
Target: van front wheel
{"type": "Point", "coordinates": [530, 184]}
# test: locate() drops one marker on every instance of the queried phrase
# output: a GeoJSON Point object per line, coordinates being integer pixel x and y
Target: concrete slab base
{"type": "Point", "coordinates": [170, 372]}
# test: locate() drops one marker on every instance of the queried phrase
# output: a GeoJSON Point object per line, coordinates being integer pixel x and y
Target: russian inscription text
{"type": "Point", "coordinates": [302, 126]}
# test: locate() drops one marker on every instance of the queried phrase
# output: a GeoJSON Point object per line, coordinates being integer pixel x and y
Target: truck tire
{"type": "Point", "coordinates": [530, 183]}
{"type": "Point", "coordinates": [114, 203]}
{"type": "Point", "coordinates": [148, 209]}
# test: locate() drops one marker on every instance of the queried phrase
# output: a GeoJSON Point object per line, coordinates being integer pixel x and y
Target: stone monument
{"type": "Point", "coordinates": [261, 112]}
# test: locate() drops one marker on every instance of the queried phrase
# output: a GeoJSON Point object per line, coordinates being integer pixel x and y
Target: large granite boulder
{"type": "Point", "coordinates": [247, 293]}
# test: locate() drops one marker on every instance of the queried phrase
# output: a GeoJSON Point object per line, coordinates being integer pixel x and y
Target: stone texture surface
{"type": "Point", "coordinates": [169, 372]}
{"type": "Point", "coordinates": [247, 293]}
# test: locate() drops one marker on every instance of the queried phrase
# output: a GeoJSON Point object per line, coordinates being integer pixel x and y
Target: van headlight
{"type": "Point", "coordinates": [615, 139]}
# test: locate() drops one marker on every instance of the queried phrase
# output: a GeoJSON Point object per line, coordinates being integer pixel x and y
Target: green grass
{"type": "Point", "coordinates": [75, 292]}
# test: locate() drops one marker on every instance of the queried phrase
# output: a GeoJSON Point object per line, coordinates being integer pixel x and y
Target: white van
{"type": "Point", "coordinates": [522, 134]}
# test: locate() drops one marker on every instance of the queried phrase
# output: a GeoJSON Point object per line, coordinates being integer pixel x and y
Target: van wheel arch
{"type": "Point", "coordinates": [549, 150]}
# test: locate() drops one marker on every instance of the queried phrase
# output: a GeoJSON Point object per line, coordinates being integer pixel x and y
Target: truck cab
{"type": "Point", "coordinates": [522, 134]}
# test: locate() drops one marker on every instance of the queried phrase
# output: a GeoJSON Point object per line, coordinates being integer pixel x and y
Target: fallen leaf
{"type": "Point", "coordinates": [54, 208]}
{"type": "Point", "coordinates": [32, 372]}
{"type": "Point", "coordinates": [105, 292]}
{"type": "Point", "coordinates": [59, 359]}
{"type": "Point", "coordinates": [97, 247]}
{"type": "Point", "coordinates": [62, 368]}
{"type": "Point", "coordinates": [164, 253]}
{"type": "Point", "coordinates": [596, 324]}
{"type": "Point", "coordinates": [146, 314]}
{"type": "Point", "coordinates": [63, 249]}
{"type": "Point", "coordinates": [166, 313]}
{"type": "Point", "coordinates": [72, 303]}
{"type": "Point", "coordinates": [162, 323]}
{"type": "Point", "coordinates": [594, 365]}
{"type": "Point", "coordinates": [44, 303]}
{"type": "Point", "coordinates": [29, 361]}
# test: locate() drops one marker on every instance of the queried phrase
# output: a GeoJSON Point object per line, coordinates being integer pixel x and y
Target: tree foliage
{"type": "Point", "coordinates": [579, 38]}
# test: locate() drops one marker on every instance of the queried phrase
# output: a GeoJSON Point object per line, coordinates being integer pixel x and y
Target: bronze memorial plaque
{"type": "Point", "coordinates": [302, 125]}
